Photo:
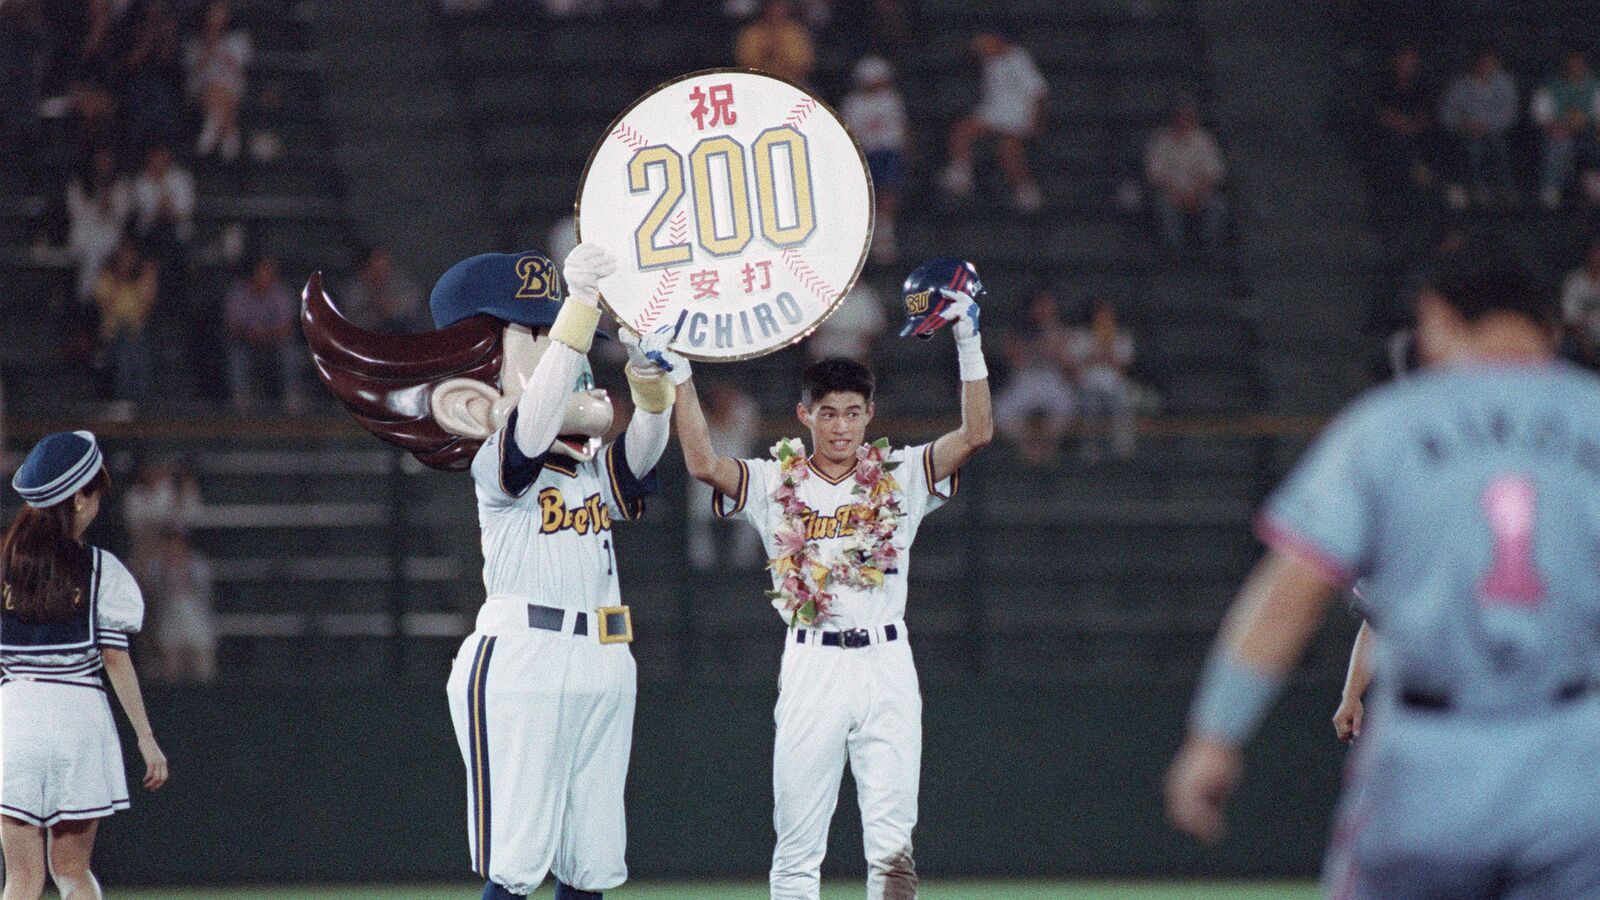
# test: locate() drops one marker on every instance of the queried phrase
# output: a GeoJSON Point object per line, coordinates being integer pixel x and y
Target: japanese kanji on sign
{"type": "Point", "coordinates": [739, 206]}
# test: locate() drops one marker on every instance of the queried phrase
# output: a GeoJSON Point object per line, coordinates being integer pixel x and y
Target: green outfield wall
{"type": "Point", "coordinates": [336, 782]}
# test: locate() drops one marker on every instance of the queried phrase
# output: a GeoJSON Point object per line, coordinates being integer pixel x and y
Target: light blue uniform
{"type": "Point", "coordinates": [1468, 502]}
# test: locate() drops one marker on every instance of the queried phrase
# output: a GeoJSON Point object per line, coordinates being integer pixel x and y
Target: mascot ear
{"type": "Point", "coordinates": [465, 407]}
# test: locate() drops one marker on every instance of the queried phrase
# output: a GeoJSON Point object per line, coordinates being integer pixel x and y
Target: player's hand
{"type": "Point", "coordinates": [963, 312]}
{"type": "Point", "coordinates": [155, 763]}
{"type": "Point", "coordinates": [1199, 783]}
{"type": "Point", "coordinates": [1347, 719]}
{"type": "Point", "coordinates": [650, 356]}
{"type": "Point", "coordinates": [585, 266]}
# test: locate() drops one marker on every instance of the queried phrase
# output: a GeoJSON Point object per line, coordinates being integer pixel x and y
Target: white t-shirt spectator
{"type": "Point", "coordinates": [1580, 302]}
{"type": "Point", "coordinates": [850, 331]}
{"type": "Point", "coordinates": [223, 67]}
{"type": "Point", "coordinates": [878, 119]}
{"type": "Point", "coordinates": [1010, 88]}
{"type": "Point", "coordinates": [178, 186]}
{"type": "Point", "coordinates": [1183, 163]}
{"type": "Point", "coordinates": [1096, 370]}
{"type": "Point", "coordinates": [95, 228]}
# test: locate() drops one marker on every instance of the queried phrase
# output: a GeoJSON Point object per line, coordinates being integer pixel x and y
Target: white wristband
{"type": "Point", "coordinates": [969, 353]}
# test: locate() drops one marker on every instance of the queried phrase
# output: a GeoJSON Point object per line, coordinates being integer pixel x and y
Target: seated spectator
{"type": "Point", "coordinates": [99, 202]}
{"type": "Point", "coordinates": [1580, 305]}
{"type": "Point", "coordinates": [1405, 121]}
{"type": "Point", "coordinates": [877, 115]}
{"type": "Point", "coordinates": [1036, 406]}
{"type": "Point", "coordinates": [1478, 111]}
{"type": "Point", "coordinates": [778, 43]}
{"type": "Point", "coordinates": [852, 328]}
{"type": "Point", "coordinates": [126, 293]}
{"type": "Point", "coordinates": [164, 495]}
{"type": "Point", "coordinates": [1566, 108]}
{"type": "Point", "coordinates": [1101, 354]}
{"type": "Point", "coordinates": [183, 618]}
{"type": "Point", "coordinates": [733, 420]}
{"type": "Point", "coordinates": [163, 207]}
{"type": "Point", "coordinates": [216, 60]}
{"type": "Point", "coordinates": [262, 324]}
{"type": "Point", "coordinates": [1184, 167]}
{"type": "Point", "coordinates": [1011, 108]}
{"type": "Point", "coordinates": [151, 75]}
{"type": "Point", "coordinates": [380, 298]}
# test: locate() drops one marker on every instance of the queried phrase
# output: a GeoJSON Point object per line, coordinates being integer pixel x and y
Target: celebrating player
{"type": "Point", "coordinates": [1467, 498]}
{"type": "Point", "coordinates": [838, 526]}
{"type": "Point", "coordinates": [542, 692]}
{"type": "Point", "coordinates": [68, 611]}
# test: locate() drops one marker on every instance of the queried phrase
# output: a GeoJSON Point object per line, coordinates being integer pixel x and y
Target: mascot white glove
{"type": "Point", "coordinates": [585, 266]}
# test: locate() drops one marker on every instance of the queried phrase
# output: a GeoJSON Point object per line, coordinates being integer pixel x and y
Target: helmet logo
{"type": "Point", "coordinates": [917, 304]}
{"type": "Point", "coordinates": [538, 279]}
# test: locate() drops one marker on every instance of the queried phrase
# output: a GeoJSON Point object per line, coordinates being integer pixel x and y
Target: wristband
{"type": "Point", "coordinates": [651, 395]}
{"type": "Point", "coordinates": [575, 325]}
{"type": "Point", "coordinates": [1233, 699]}
{"type": "Point", "coordinates": [969, 354]}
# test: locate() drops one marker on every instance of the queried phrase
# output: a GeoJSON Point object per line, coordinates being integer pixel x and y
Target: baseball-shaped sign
{"type": "Point", "coordinates": [739, 208]}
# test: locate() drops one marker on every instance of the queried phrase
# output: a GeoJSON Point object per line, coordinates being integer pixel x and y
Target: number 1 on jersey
{"type": "Point", "coordinates": [1509, 506]}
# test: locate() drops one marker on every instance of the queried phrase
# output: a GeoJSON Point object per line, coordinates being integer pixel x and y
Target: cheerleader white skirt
{"type": "Point", "coordinates": [59, 753]}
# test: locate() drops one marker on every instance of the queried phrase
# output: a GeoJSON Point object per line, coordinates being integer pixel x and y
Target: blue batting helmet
{"type": "Point", "coordinates": [923, 293]}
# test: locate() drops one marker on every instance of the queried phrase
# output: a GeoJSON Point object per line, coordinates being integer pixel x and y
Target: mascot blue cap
{"type": "Point", "coordinates": [521, 288]}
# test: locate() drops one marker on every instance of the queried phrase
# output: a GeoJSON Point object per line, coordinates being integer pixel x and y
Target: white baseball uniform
{"type": "Point", "coordinates": [542, 706]}
{"type": "Point", "coordinates": [848, 688]}
{"type": "Point", "coordinates": [58, 742]}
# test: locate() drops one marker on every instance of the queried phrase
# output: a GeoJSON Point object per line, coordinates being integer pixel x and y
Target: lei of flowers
{"type": "Point", "coordinates": [806, 575]}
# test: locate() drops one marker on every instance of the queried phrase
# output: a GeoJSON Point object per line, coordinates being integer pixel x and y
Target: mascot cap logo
{"type": "Point", "coordinates": [521, 288]}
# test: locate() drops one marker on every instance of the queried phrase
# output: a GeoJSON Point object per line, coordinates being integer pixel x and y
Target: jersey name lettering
{"type": "Point", "coordinates": [840, 524]}
{"type": "Point", "coordinates": [554, 516]}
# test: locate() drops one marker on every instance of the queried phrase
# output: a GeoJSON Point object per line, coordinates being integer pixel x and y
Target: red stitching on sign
{"type": "Point", "coordinates": [801, 112]}
{"type": "Point", "coordinates": [665, 286]}
{"type": "Point", "coordinates": [808, 276]}
{"type": "Point", "coordinates": [678, 227]}
{"type": "Point", "coordinates": [630, 136]}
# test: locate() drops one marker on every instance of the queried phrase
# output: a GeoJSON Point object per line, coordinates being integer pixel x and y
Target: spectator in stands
{"type": "Point", "coordinates": [1478, 111]}
{"type": "Point", "coordinates": [1405, 121]}
{"type": "Point", "coordinates": [734, 421]}
{"type": "Point", "coordinates": [1037, 404]}
{"type": "Point", "coordinates": [216, 60]}
{"type": "Point", "coordinates": [380, 298]}
{"type": "Point", "coordinates": [151, 75]}
{"type": "Point", "coordinates": [852, 328]}
{"type": "Point", "coordinates": [778, 43]}
{"type": "Point", "coordinates": [877, 115]}
{"type": "Point", "coordinates": [261, 320]}
{"type": "Point", "coordinates": [1566, 108]}
{"type": "Point", "coordinates": [1580, 305]}
{"type": "Point", "coordinates": [183, 617]}
{"type": "Point", "coordinates": [1010, 108]}
{"type": "Point", "coordinates": [99, 202]}
{"type": "Point", "coordinates": [87, 65]}
{"type": "Point", "coordinates": [126, 293]}
{"type": "Point", "coordinates": [1101, 353]}
{"type": "Point", "coordinates": [164, 495]}
{"type": "Point", "coordinates": [163, 204]}
{"type": "Point", "coordinates": [1184, 166]}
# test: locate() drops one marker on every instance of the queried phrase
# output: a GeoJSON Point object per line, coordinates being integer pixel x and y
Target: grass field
{"type": "Point", "coordinates": [944, 890]}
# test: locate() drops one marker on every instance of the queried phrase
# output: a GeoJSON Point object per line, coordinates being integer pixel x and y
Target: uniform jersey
{"type": "Point", "coordinates": [1468, 502]}
{"type": "Point", "coordinates": [69, 651]}
{"type": "Point", "coordinates": [830, 499]}
{"type": "Point", "coordinates": [546, 521]}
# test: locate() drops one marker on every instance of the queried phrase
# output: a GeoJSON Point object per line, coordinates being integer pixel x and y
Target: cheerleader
{"type": "Point", "coordinates": [68, 610]}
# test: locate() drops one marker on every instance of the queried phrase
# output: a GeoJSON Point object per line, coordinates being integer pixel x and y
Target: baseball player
{"type": "Point", "coordinates": [1467, 498]}
{"type": "Point", "coordinates": [68, 609]}
{"type": "Point", "coordinates": [542, 692]}
{"type": "Point", "coordinates": [838, 525]}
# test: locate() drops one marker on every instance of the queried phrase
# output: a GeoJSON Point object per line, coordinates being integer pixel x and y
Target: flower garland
{"type": "Point", "coordinates": [865, 555]}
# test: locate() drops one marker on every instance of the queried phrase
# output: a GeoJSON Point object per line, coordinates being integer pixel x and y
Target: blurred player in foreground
{"type": "Point", "coordinates": [1467, 498]}
{"type": "Point", "coordinates": [68, 610]}
{"type": "Point", "coordinates": [838, 525]}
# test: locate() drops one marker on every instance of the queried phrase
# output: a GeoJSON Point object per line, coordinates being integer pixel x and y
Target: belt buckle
{"type": "Point", "coordinates": [855, 637]}
{"type": "Point", "coordinates": [616, 624]}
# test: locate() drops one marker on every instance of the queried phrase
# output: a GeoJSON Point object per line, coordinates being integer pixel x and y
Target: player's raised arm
{"type": "Point", "coordinates": [694, 436]}
{"type": "Point", "coordinates": [946, 290]}
{"type": "Point", "coordinates": [653, 371]}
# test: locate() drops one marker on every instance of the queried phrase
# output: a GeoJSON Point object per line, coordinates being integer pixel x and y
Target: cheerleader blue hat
{"type": "Point", "coordinates": [58, 467]}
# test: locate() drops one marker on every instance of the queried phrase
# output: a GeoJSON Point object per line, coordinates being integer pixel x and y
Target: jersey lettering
{"type": "Point", "coordinates": [840, 524]}
{"type": "Point", "coordinates": [554, 516]}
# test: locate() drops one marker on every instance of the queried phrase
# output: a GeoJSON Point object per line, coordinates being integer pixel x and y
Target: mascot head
{"type": "Point", "coordinates": [439, 395]}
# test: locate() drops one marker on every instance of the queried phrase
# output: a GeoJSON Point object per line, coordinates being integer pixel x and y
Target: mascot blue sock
{"type": "Point", "coordinates": [564, 892]}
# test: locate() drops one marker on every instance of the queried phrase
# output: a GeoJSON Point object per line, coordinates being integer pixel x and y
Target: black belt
{"type": "Point", "coordinates": [849, 638]}
{"type": "Point", "coordinates": [1441, 701]}
{"type": "Point", "coordinates": [551, 619]}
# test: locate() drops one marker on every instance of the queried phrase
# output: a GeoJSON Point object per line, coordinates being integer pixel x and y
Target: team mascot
{"type": "Point", "coordinates": [542, 691]}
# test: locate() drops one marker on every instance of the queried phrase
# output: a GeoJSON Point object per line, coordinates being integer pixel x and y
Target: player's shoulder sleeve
{"type": "Point", "coordinates": [923, 492]}
{"type": "Point", "coordinates": [1326, 512]}
{"type": "Point", "coordinates": [753, 497]}
{"type": "Point", "coordinates": [625, 492]}
{"type": "Point", "coordinates": [501, 472]}
{"type": "Point", "coordinates": [119, 604]}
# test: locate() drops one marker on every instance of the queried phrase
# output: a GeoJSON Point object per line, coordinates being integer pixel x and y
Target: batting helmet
{"type": "Point", "coordinates": [924, 293]}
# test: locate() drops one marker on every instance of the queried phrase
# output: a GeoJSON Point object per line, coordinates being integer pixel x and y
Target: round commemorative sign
{"type": "Point", "coordinates": [739, 208]}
